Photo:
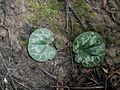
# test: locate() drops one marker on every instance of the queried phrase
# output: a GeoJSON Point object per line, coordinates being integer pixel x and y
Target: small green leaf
{"type": "Point", "coordinates": [38, 46]}
{"type": "Point", "coordinates": [89, 48]}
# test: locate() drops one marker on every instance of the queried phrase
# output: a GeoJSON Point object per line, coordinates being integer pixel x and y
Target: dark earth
{"type": "Point", "coordinates": [18, 71]}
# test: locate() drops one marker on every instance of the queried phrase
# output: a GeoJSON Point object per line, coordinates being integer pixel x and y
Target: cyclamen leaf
{"type": "Point", "coordinates": [89, 48]}
{"type": "Point", "coordinates": [41, 36]}
{"type": "Point", "coordinates": [38, 46]}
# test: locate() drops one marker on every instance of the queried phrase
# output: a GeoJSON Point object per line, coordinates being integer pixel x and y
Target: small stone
{"type": "Point", "coordinates": [3, 33]}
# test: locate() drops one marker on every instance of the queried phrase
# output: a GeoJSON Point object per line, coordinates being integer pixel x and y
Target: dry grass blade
{"type": "Point", "coordinates": [79, 88]}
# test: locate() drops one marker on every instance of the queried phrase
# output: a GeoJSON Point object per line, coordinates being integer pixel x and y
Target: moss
{"type": "Point", "coordinates": [82, 8]}
{"type": "Point", "coordinates": [48, 14]}
{"type": "Point", "coordinates": [85, 12]}
{"type": "Point", "coordinates": [43, 9]}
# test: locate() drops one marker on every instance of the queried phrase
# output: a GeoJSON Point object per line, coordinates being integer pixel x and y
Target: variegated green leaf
{"type": "Point", "coordinates": [38, 46]}
{"type": "Point", "coordinates": [89, 48]}
{"type": "Point", "coordinates": [41, 36]}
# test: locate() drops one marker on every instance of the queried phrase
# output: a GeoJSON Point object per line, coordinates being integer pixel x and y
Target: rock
{"type": "Point", "coordinates": [3, 33]}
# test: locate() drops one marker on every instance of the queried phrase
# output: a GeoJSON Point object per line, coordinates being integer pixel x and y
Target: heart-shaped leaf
{"type": "Point", "coordinates": [38, 46]}
{"type": "Point", "coordinates": [89, 48]}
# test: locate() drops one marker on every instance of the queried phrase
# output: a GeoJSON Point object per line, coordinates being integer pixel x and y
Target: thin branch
{"type": "Point", "coordinates": [63, 48]}
{"type": "Point", "coordinates": [66, 87]}
{"type": "Point", "coordinates": [52, 76]}
{"type": "Point", "coordinates": [67, 16]}
{"type": "Point", "coordinates": [77, 17]}
{"type": "Point", "coordinates": [22, 85]}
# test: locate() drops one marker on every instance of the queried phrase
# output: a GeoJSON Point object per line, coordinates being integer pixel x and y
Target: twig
{"type": "Point", "coordinates": [77, 17]}
{"type": "Point", "coordinates": [52, 76]}
{"type": "Point", "coordinates": [106, 82]}
{"type": "Point", "coordinates": [5, 66]}
{"type": "Point", "coordinates": [67, 16]}
{"type": "Point", "coordinates": [93, 80]}
{"type": "Point", "coordinates": [71, 51]}
{"type": "Point", "coordinates": [95, 87]}
{"type": "Point", "coordinates": [22, 85]}
{"type": "Point", "coordinates": [63, 48]}
{"type": "Point", "coordinates": [59, 87]}
{"type": "Point", "coordinates": [66, 87]}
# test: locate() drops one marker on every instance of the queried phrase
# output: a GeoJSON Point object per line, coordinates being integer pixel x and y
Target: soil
{"type": "Point", "coordinates": [18, 71]}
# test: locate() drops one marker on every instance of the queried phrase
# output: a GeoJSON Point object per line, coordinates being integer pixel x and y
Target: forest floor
{"type": "Point", "coordinates": [19, 18]}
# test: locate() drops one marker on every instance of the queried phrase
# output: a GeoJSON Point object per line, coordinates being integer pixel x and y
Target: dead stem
{"type": "Point", "coordinates": [51, 76]}
{"type": "Point", "coordinates": [22, 85]}
{"type": "Point", "coordinates": [66, 87]}
{"type": "Point", "coordinates": [77, 17]}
